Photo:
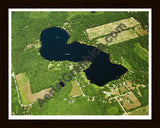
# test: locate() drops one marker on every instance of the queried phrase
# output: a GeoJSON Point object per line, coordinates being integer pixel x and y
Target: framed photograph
{"type": "Point", "coordinates": [80, 63]}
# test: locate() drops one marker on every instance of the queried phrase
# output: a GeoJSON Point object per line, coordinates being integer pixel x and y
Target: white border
{"type": "Point", "coordinates": [120, 117]}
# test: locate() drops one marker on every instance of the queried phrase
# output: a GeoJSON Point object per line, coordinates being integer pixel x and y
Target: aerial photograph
{"type": "Point", "coordinates": [79, 63]}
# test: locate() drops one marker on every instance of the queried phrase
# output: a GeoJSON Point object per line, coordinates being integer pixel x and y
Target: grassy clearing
{"type": "Point", "coordinates": [126, 64]}
{"type": "Point", "coordinates": [108, 28]}
{"type": "Point", "coordinates": [140, 111]}
{"type": "Point", "coordinates": [112, 110]}
{"type": "Point", "coordinates": [23, 78]}
{"type": "Point", "coordinates": [142, 52]}
{"type": "Point", "coordinates": [76, 90]}
{"type": "Point", "coordinates": [24, 88]}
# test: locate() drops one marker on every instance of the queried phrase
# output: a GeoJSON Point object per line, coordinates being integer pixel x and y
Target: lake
{"type": "Point", "coordinates": [55, 47]}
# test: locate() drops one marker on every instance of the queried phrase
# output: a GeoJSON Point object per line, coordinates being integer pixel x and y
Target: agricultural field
{"type": "Point", "coordinates": [25, 90]}
{"type": "Point", "coordinates": [108, 28]}
{"type": "Point", "coordinates": [130, 101]}
{"type": "Point", "coordinates": [76, 90]}
{"type": "Point", "coordinates": [140, 111]}
{"type": "Point", "coordinates": [123, 36]}
{"type": "Point", "coordinates": [64, 89]}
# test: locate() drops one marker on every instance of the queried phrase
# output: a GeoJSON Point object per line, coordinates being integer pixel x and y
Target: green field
{"type": "Point", "coordinates": [23, 87]}
{"type": "Point", "coordinates": [140, 111]}
{"type": "Point", "coordinates": [76, 90]}
{"type": "Point", "coordinates": [142, 52]}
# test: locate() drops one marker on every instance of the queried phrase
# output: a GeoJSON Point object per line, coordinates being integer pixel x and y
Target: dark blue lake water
{"type": "Point", "coordinates": [55, 47]}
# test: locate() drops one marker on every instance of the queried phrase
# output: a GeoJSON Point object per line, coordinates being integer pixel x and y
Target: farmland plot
{"type": "Point", "coordinates": [25, 90]}
{"type": "Point", "coordinates": [123, 36]}
{"type": "Point", "coordinates": [108, 28]}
